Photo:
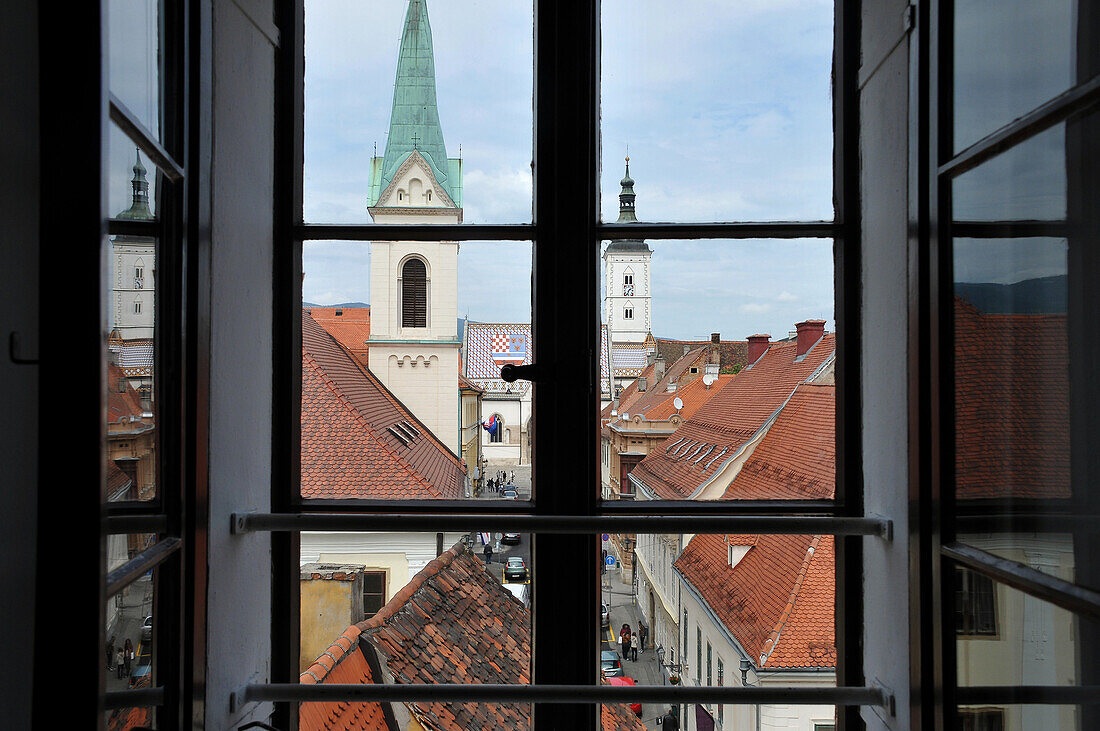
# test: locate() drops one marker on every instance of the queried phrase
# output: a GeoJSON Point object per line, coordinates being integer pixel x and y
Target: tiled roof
{"type": "Point", "coordinates": [489, 346]}
{"type": "Point", "coordinates": [605, 363]}
{"type": "Point", "coordinates": [125, 403]}
{"type": "Point", "coordinates": [696, 450]}
{"type": "Point", "coordinates": [454, 623]}
{"type": "Point", "coordinates": [135, 356]}
{"type": "Point", "coordinates": [125, 719]}
{"type": "Point", "coordinates": [351, 327]}
{"type": "Point", "coordinates": [796, 458]}
{"type": "Point", "coordinates": [619, 717]}
{"type": "Point", "coordinates": [467, 384]}
{"type": "Point", "coordinates": [355, 433]}
{"type": "Point", "coordinates": [777, 601]}
{"type": "Point", "coordinates": [629, 359]}
{"type": "Point", "coordinates": [1011, 404]}
{"type": "Point", "coordinates": [734, 352]}
{"type": "Point", "coordinates": [342, 662]}
{"type": "Point", "coordinates": [693, 394]}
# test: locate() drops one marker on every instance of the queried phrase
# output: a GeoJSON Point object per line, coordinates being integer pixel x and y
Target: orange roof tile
{"type": "Point", "coordinates": [342, 662]}
{"type": "Point", "coordinates": [777, 601]}
{"type": "Point", "coordinates": [349, 448]}
{"type": "Point", "coordinates": [1011, 404]}
{"type": "Point", "coordinates": [351, 328]}
{"type": "Point", "coordinates": [619, 717]}
{"type": "Point", "coordinates": [728, 419]}
{"type": "Point", "coordinates": [732, 352]}
{"type": "Point", "coordinates": [693, 394]}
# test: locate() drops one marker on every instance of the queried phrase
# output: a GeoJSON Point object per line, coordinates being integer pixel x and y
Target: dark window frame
{"type": "Point", "coordinates": [414, 293]}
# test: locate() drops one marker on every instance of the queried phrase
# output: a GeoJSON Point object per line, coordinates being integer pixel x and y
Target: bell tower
{"type": "Point", "coordinates": [626, 277]}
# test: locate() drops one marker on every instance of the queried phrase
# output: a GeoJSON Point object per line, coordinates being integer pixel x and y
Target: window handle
{"type": "Point", "coordinates": [512, 373]}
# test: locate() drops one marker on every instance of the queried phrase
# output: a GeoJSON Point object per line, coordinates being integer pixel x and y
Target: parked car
{"type": "Point", "coordinates": [147, 629]}
{"type": "Point", "coordinates": [511, 538]}
{"type": "Point", "coordinates": [509, 493]}
{"type": "Point", "coordinates": [605, 616]}
{"type": "Point", "coordinates": [610, 665]}
{"type": "Point", "coordinates": [515, 570]}
{"type": "Point", "coordinates": [624, 680]}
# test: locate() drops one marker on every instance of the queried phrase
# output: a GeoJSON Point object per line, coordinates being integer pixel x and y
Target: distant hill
{"type": "Point", "coordinates": [340, 304]}
{"type": "Point", "coordinates": [1039, 296]}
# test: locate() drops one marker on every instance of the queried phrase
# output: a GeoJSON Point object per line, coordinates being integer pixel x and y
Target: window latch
{"type": "Point", "coordinates": [512, 373]}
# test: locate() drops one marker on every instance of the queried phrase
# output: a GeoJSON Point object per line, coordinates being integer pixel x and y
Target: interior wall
{"type": "Point", "coordinates": [884, 154]}
{"type": "Point", "coordinates": [19, 209]}
{"type": "Point", "coordinates": [242, 194]}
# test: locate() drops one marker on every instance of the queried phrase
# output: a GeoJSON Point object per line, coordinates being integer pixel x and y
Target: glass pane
{"type": "Point", "coordinates": [1007, 637]}
{"type": "Point", "coordinates": [1028, 182]}
{"type": "Point", "coordinates": [1012, 432]}
{"type": "Point", "coordinates": [1010, 57]}
{"type": "Point", "coordinates": [681, 598]}
{"type": "Point", "coordinates": [724, 109]}
{"type": "Point", "coordinates": [445, 620]}
{"type": "Point", "coordinates": [1022, 718]}
{"type": "Point", "coordinates": [686, 409]}
{"type": "Point", "coordinates": [383, 81]}
{"type": "Point", "coordinates": [129, 635]}
{"type": "Point", "coordinates": [134, 58]}
{"type": "Point", "coordinates": [132, 181]}
{"type": "Point", "coordinates": [401, 390]}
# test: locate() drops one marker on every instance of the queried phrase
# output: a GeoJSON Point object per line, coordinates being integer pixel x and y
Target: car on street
{"type": "Point", "coordinates": [140, 675]}
{"type": "Point", "coordinates": [624, 680]}
{"type": "Point", "coordinates": [610, 665]}
{"type": "Point", "coordinates": [515, 570]}
{"type": "Point", "coordinates": [605, 616]}
{"type": "Point", "coordinates": [147, 629]}
{"type": "Point", "coordinates": [510, 538]}
{"type": "Point", "coordinates": [509, 493]}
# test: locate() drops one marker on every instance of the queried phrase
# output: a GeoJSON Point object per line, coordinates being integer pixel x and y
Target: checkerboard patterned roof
{"type": "Point", "coordinates": [629, 358]}
{"type": "Point", "coordinates": [491, 345]}
{"type": "Point", "coordinates": [135, 357]}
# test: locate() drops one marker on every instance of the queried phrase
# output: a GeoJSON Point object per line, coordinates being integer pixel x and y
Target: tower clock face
{"type": "Point", "coordinates": [628, 290]}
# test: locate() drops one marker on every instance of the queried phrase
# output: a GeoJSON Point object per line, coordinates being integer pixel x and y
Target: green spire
{"type": "Point", "coordinates": [139, 206]}
{"type": "Point", "coordinates": [626, 198]}
{"type": "Point", "coordinates": [414, 120]}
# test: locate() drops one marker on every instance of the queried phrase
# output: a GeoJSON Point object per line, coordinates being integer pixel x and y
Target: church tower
{"type": "Point", "coordinates": [414, 340]}
{"type": "Point", "coordinates": [626, 277]}
{"type": "Point", "coordinates": [134, 259]}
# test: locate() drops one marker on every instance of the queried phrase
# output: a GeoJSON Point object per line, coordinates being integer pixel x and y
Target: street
{"type": "Point", "coordinates": [136, 602]}
{"type": "Point", "coordinates": [645, 670]}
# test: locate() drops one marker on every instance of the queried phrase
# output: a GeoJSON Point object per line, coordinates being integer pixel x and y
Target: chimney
{"type": "Point", "coordinates": [642, 385]}
{"type": "Point", "coordinates": [650, 357]}
{"type": "Point", "coordinates": [809, 332]}
{"type": "Point", "coordinates": [659, 368]}
{"type": "Point", "coordinates": [715, 351]}
{"type": "Point", "coordinates": [758, 345]}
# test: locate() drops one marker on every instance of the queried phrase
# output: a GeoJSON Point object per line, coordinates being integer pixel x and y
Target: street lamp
{"type": "Point", "coordinates": [746, 665]}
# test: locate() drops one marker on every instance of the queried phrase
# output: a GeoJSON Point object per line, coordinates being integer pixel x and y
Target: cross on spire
{"type": "Point", "coordinates": [415, 139]}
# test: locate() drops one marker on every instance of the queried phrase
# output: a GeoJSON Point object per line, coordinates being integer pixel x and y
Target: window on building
{"type": "Point", "coordinates": [628, 284]}
{"type": "Point", "coordinates": [628, 312]}
{"type": "Point", "coordinates": [710, 680]}
{"type": "Point", "coordinates": [975, 603]}
{"type": "Point", "coordinates": [414, 294]}
{"type": "Point", "coordinates": [721, 682]}
{"type": "Point", "coordinates": [980, 719]}
{"type": "Point", "coordinates": [496, 436]}
{"type": "Point", "coordinates": [698, 655]}
{"type": "Point", "coordinates": [374, 592]}
{"type": "Point", "coordinates": [137, 307]}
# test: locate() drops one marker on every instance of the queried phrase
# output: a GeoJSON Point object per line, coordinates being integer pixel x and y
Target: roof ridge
{"type": "Point", "coordinates": [781, 623]}
{"type": "Point", "coordinates": [399, 599]}
{"type": "Point", "coordinates": [357, 415]}
{"type": "Point", "coordinates": [336, 652]}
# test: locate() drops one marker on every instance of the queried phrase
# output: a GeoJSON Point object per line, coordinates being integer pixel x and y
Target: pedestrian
{"type": "Point", "coordinates": [128, 656]}
{"type": "Point", "coordinates": [110, 651]}
{"type": "Point", "coordinates": [624, 639]}
{"type": "Point", "coordinates": [670, 722]}
{"type": "Point", "coordinates": [513, 477]}
{"type": "Point", "coordinates": [634, 648]}
{"type": "Point", "coordinates": [119, 657]}
{"type": "Point", "coordinates": [488, 553]}
{"type": "Point", "coordinates": [644, 632]}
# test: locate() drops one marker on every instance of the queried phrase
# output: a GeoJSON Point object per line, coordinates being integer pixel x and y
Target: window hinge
{"type": "Point", "coordinates": [19, 352]}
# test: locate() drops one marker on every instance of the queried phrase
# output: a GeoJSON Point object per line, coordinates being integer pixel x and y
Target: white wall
{"type": "Point", "coordinates": [400, 554]}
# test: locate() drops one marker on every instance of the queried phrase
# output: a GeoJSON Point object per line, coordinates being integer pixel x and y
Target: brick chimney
{"type": "Point", "coordinates": [714, 351]}
{"type": "Point", "coordinates": [659, 368]}
{"type": "Point", "coordinates": [758, 345]}
{"type": "Point", "coordinates": [809, 332]}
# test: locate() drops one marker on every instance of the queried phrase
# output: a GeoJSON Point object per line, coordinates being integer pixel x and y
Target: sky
{"type": "Point", "coordinates": [725, 108]}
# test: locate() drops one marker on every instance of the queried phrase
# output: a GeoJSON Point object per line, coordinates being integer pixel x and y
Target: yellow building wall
{"type": "Point", "coordinates": [325, 614]}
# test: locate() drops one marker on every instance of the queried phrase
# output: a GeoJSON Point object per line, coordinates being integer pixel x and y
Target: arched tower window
{"type": "Point", "coordinates": [628, 283]}
{"type": "Point", "coordinates": [497, 437]}
{"type": "Point", "coordinates": [628, 311]}
{"type": "Point", "coordinates": [414, 294]}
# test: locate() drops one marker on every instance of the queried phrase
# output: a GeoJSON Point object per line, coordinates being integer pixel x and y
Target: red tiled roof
{"type": "Point", "coordinates": [341, 662]}
{"type": "Point", "coordinates": [351, 328]}
{"type": "Point", "coordinates": [122, 404]}
{"type": "Point", "coordinates": [1011, 405]}
{"type": "Point", "coordinates": [464, 383]}
{"type": "Point", "coordinates": [796, 458]}
{"type": "Point", "coordinates": [777, 601]}
{"type": "Point", "coordinates": [693, 394]}
{"type": "Point", "coordinates": [619, 717]}
{"type": "Point", "coordinates": [348, 448]}
{"type": "Point", "coordinates": [125, 719]}
{"type": "Point", "coordinates": [454, 623]}
{"type": "Point", "coordinates": [728, 419]}
{"type": "Point", "coordinates": [733, 352]}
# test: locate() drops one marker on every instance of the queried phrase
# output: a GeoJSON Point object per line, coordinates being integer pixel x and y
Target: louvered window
{"type": "Point", "coordinates": [414, 294]}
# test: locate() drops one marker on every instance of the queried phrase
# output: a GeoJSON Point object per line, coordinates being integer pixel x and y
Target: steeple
{"type": "Point", "coordinates": [139, 206]}
{"type": "Point", "coordinates": [626, 198]}
{"type": "Point", "coordinates": [414, 119]}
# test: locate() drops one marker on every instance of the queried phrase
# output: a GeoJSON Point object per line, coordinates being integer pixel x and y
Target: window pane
{"type": "Point", "coordinates": [400, 410]}
{"type": "Point", "coordinates": [129, 636]}
{"type": "Point", "coordinates": [134, 58]}
{"type": "Point", "coordinates": [383, 81]}
{"type": "Point", "coordinates": [725, 334]}
{"type": "Point", "coordinates": [1009, 58]}
{"type": "Point", "coordinates": [725, 107]}
{"type": "Point", "coordinates": [446, 619]}
{"type": "Point", "coordinates": [1020, 717]}
{"type": "Point", "coordinates": [682, 598]}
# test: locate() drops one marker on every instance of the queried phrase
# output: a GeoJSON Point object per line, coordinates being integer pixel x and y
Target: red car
{"type": "Point", "coordinates": [636, 707]}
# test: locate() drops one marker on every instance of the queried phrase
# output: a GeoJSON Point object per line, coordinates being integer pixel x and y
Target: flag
{"type": "Point", "coordinates": [491, 427]}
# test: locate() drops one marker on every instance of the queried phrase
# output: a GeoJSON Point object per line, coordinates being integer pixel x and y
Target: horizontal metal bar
{"type": "Point", "coordinates": [761, 230]}
{"type": "Point", "coordinates": [527, 522]}
{"type": "Point", "coordinates": [524, 232]}
{"type": "Point", "coordinates": [123, 227]}
{"type": "Point", "coordinates": [1003, 695]}
{"type": "Point", "coordinates": [1028, 580]}
{"type": "Point", "coordinates": [1048, 115]}
{"type": "Point", "coordinates": [133, 569]}
{"type": "Point", "coordinates": [822, 508]}
{"type": "Point", "coordinates": [114, 699]}
{"type": "Point", "coordinates": [1009, 229]}
{"type": "Point", "coordinates": [495, 693]}
{"type": "Point", "coordinates": [119, 524]}
{"type": "Point", "coordinates": [144, 139]}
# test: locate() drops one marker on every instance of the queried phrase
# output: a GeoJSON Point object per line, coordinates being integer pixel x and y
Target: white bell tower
{"type": "Point", "coordinates": [626, 278]}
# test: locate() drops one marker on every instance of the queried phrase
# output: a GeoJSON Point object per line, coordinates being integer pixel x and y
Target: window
{"type": "Point", "coordinates": [982, 719]}
{"type": "Point", "coordinates": [628, 284]}
{"type": "Point", "coordinates": [975, 604]}
{"type": "Point", "coordinates": [137, 307]}
{"type": "Point", "coordinates": [414, 294]}
{"type": "Point", "coordinates": [628, 312]}
{"type": "Point", "coordinates": [496, 429]}
{"type": "Point", "coordinates": [709, 664]}
{"type": "Point", "coordinates": [721, 682]}
{"type": "Point", "coordinates": [698, 655]}
{"type": "Point", "coordinates": [374, 592]}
